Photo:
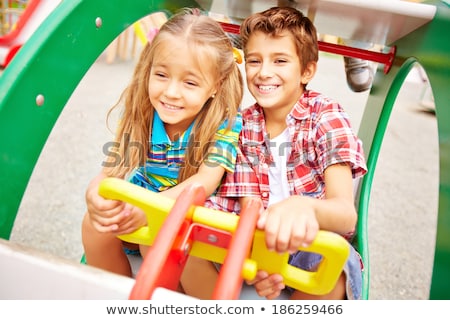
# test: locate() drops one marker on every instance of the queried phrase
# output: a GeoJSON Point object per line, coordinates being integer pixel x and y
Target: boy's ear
{"type": "Point", "coordinates": [309, 72]}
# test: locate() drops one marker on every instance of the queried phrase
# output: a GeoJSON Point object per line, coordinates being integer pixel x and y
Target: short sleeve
{"type": "Point", "coordinates": [224, 148]}
{"type": "Point", "coordinates": [337, 143]}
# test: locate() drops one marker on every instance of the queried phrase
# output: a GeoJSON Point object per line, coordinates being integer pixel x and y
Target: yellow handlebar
{"type": "Point", "coordinates": [333, 248]}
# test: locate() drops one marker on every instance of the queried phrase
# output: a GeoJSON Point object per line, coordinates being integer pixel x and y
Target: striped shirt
{"type": "Point", "coordinates": [320, 135]}
{"type": "Point", "coordinates": [165, 157]}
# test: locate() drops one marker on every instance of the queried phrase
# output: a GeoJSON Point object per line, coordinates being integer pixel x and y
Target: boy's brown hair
{"type": "Point", "coordinates": [275, 21]}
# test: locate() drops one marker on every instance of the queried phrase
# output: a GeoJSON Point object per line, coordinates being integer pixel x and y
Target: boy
{"type": "Point", "coordinates": [299, 152]}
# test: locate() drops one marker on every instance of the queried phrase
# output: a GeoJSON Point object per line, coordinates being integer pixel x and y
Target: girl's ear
{"type": "Point", "coordinates": [309, 72]}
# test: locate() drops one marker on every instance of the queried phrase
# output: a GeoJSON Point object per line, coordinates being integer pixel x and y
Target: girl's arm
{"type": "Point", "coordinates": [209, 176]}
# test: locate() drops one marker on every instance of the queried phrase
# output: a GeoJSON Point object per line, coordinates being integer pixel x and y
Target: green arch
{"type": "Point", "coordinates": [428, 47]}
{"type": "Point", "coordinates": [51, 64]}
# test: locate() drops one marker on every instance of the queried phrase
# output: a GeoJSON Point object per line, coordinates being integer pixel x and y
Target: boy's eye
{"type": "Point", "coordinates": [280, 61]}
{"type": "Point", "coordinates": [252, 61]}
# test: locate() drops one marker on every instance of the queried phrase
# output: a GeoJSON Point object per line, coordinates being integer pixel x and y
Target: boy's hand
{"type": "Point", "coordinates": [289, 224]}
{"type": "Point", "coordinates": [268, 286]}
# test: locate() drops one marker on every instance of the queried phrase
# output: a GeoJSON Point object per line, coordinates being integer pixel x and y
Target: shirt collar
{"type": "Point", "coordinates": [159, 134]}
{"type": "Point", "coordinates": [299, 111]}
{"type": "Point", "coordinates": [301, 108]}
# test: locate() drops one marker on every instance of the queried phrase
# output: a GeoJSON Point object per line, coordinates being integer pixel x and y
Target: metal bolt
{"type": "Point", "coordinates": [40, 100]}
{"type": "Point", "coordinates": [98, 22]}
{"type": "Point", "coordinates": [212, 238]}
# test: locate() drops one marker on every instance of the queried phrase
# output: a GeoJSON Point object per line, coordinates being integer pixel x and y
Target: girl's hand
{"type": "Point", "coordinates": [104, 214]}
{"type": "Point", "coordinates": [289, 224]}
{"type": "Point", "coordinates": [111, 215]}
{"type": "Point", "coordinates": [132, 219]}
{"type": "Point", "coordinates": [268, 286]}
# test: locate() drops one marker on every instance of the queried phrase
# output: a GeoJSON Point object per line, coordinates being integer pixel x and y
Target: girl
{"type": "Point", "coordinates": [180, 125]}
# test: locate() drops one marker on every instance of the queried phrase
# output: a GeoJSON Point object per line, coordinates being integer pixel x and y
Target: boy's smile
{"type": "Point", "coordinates": [267, 88]}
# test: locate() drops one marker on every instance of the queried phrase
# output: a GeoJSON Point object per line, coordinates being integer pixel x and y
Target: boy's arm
{"type": "Point", "coordinates": [295, 221]}
{"type": "Point", "coordinates": [337, 211]}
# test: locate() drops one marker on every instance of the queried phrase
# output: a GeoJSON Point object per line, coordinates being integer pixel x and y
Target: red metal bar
{"type": "Point", "coordinates": [229, 283]}
{"type": "Point", "coordinates": [384, 58]}
{"type": "Point", "coordinates": [230, 28]}
{"type": "Point", "coordinates": [164, 255]}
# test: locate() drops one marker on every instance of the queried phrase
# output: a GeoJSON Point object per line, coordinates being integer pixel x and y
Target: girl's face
{"type": "Point", "coordinates": [179, 86]}
{"type": "Point", "coordinates": [273, 71]}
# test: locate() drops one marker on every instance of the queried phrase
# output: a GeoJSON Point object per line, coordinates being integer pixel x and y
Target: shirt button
{"type": "Point", "coordinates": [264, 194]}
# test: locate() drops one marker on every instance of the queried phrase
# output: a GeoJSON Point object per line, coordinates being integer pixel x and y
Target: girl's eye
{"type": "Point", "coordinates": [191, 83]}
{"type": "Point", "coordinates": [278, 61]}
{"type": "Point", "coordinates": [160, 74]}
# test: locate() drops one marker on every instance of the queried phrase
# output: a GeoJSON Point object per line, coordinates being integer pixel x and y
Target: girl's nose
{"type": "Point", "coordinates": [172, 89]}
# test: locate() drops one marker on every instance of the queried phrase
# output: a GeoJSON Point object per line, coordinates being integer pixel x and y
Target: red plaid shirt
{"type": "Point", "coordinates": [320, 136]}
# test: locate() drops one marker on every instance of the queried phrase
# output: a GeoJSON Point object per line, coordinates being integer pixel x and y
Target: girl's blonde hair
{"type": "Point", "coordinates": [207, 40]}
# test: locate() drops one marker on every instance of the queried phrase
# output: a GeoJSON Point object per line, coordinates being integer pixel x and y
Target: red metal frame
{"type": "Point", "coordinates": [166, 258]}
{"type": "Point", "coordinates": [229, 283]}
{"type": "Point", "coordinates": [167, 254]}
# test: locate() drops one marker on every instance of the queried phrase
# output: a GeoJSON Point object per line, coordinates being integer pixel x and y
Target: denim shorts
{"type": "Point", "coordinates": [352, 269]}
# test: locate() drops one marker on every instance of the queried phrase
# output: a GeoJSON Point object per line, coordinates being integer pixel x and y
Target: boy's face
{"type": "Point", "coordinates": [273, 71]}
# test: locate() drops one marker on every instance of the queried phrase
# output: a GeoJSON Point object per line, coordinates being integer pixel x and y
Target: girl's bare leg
{"type": "Point", "coordinates": [190, 272]}
{"type": "Point", "coordinates": [104, 250]}
{"type": "Point", "coordinates": [199, 278]}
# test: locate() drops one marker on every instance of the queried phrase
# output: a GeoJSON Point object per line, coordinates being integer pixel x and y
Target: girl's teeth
{"type": "Point", "coordinates": [267, 88]}
{"type": "Point", "coordinates": [171, 107]}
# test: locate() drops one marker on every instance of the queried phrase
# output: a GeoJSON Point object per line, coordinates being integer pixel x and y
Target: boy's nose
{"type": "Point", "coordinates": [266, 70]}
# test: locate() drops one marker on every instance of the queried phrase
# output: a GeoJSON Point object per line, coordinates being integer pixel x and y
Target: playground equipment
{"type": "Point", "coordinates": [140, 30]}
{"type": "Point", "coordinates": [191, 229]}
{"type": "Point", "coordinates": [415, 30]}
{"type": "Point", "coordinates": [35, 12]}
